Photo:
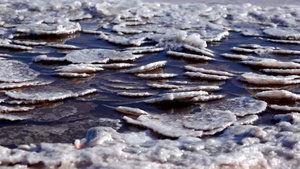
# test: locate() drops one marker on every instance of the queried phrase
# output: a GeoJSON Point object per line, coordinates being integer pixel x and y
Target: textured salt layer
{"type": "Point", "coordinates": [208, 72]}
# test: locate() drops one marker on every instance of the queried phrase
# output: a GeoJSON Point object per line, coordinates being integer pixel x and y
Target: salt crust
{"type": "Point", "coordinates": [156, 76]}
{"type": "Point", "coordinates": [79, 68]}
{"type": "Point", "coordinates": [176, 97]}
{"type": "Point", "coordinates": [130, 110]}
{"type": "Point", "coordinates": [46, 93]}
{"type": "Point", "coordinates": [197, 88]}
{"type": "Point", "coordinates": [11, 117]}
{"type": "Point", "coordinates": [277, 95]}
{"type": "Point", "coordinates": [163, 86]}
{"type": "Point", "coordinates": [78, 75]}
{"type": "Point", "coordinates": [282, 71]}
{"type": "Point", "coordinates": [16, 71]}
{"type": "Point", "coordinates": [206, 76]}
{"type": "Point", "coordinates": [202, 70]}
{"type": "Point", "coordinates": [136, 94]}
{"type": "Point", "coordinates": [148, 67]}
{"type": "Point", "coordinates": [7, 109]}
{"type": "Point", "coordinates": [270, 63]}
{"type": "Point", "coordinates": [189, 56]}
{"type": "Point", "coordinates": [240, 106]}
{"type": "Point", "coordinates": [261, 79]}
{"type": "Point", "coordinates": [285, 108]}
{"type": "Point", "coordinates": [236, 57]}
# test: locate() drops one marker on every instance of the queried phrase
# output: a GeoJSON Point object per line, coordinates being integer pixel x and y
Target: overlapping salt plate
{"type": "Point", "coordinates": [99, 56]}
{"type": "Point", "coordinates": [206, 71]}
{"type": "Point", "coordinates": [277, 95]}
{"type": "Point", "coordinates": [130, 110]}
{"type": "Point", "coordinates": [79, 68]}
{"type": "Point", "coordinates": [11, 117]}
{"type": "Point", "coordinates": [36, 82]}
{"type": "Point", "coordinates": [156, 76]}
{"type": "Point", "coordinates": [270, 63]}
{"type": "Point", "coordinates": [46, 93]}
{"type": "Point", "coordinates": [279, 33]}
{"type": "Point", "coordinates": [197, 88]}
{"type": "Point", "coordinates": [261, 79]}
{"type": "Point", "coordinates": [176, 97]}
{"type": "Point", "coordinates": [200, 51]}
{"type": "Point", "coordinates": [7, 109]}
{"type": "Point", "coordinates": [136, 94]}
{"type": "Point", "coordinates": [206, 76]}
{"type": "Point", "coordinates": [282, 71]}
{"type": "Point", "coordinates": [16, 71]}
{"type": "Point", "coordinates": [148, 67]}
{"type": "Point", "coordinates": [45, 58]}
{"type": "Point", "coordinates": [285, 108]}
{"type": "Point", "coordinates": [240, 106]}
{"type": "Point", "coordinates": [189, 56]}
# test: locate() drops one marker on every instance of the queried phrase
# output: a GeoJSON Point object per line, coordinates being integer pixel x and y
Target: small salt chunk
{"type": "Point", "coordinates": [261, 79]}
{"type": "Point", "coordinates": [284, 108]}
{"type": "Point", "coordinates": [236, 57]}
{"type": "Point", "coordinates": [136, 94]}
{"type": "Point", "coordinates": [277, 95]}
{"type": "Point", "coordinates": [45, 58]}
{"type": "Point", "coordinates": [189, 56]}
{"type": "Point", "coordinates": [131, 111]}
{"type": "Point", "coordinates": [78, 68]}
{"type": "Point", "coordinates": [206, 71]}
{"type": "Point", "coordinates": [206, 76]}
{"type": "Point", "coordinates": [156, 76]}
{"type": "Point", "coordinates": [176, 97]}
{"type": "Point", "coordinates": [197, 88]}
{"type": "Point", "coordinates": [11, 117]}
{"type": "Point", "coordinates": [198, 50]}
{"type": "Point", "coordinates": [148, 67]}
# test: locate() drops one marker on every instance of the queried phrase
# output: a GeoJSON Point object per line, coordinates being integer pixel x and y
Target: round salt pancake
{"type": "Point", "coordinates": [209, 120]}
{"type": "Point", "coordinates": [16, 71]}
{"type": "Point", "coordinates": [240, 106]}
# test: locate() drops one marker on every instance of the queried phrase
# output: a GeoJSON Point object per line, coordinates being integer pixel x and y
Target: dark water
{"type": "Point", "coordinates": [67, 120]}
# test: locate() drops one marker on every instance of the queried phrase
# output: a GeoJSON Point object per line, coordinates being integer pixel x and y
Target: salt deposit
{"type": "Point", "coordinates": [261, 79]}
{"type": "Point", "coordinates": [189, 56]}
{"type": "Point", "coordinates": [277, 95]}
{"type": "Point", "coordinates": [285, 108]}
{"type": "Point", "coordinates": [206, 76]}
{"type": "Point", "coordinates": [148, 67]}
{"type": "Point", "coordinates": [202, 70]}
{"type": "Point", "coordinates": [270, 63]}
{"type": "Point", "coordinates": [176, 97]}
{"type": "Point", "coordinates": [156, 76]}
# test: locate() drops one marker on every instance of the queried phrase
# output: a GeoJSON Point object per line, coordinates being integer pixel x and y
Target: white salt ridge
{"type": "Point", "coordinates": [29, 43]}
{"type": "Point", "coordinates": [206, 71]}
{"type": "Point", "coordinates": [138, 50]}
{"type": "Point", "coordinates": [256, 46]}
{"type": "Point", "coordinates": [163, 125]}
{"type": "Point", "coordinates": [285, 41]}
{"type": "Point", "coordinates": [270, 63]}
{"type": "Point", "coordinates": [163, 86]}
{"type": "Point", "coordinates": [247, 120]}
{"type": "Point", "coordinates": [62, 46]}
{"type": "Point", "coordinates": [77, 75]}
{"type": "Point", "coordinates": [16, 71]}
{"type": "Point", "coordinates": [209, 120]}
{"type": "Point", "coordinates": [240, 106]}
{"type": "Point", "coordinates": [156, 76]}
{"type": "Point", "coordinates": [131, 111]}
{"type": "Point", "coordinates": [98, 56]}
{"type": "Point", "coordinates": [285, 108]}
{"type": "Point", "coordinates": [117, 65]}
{"type": "Point", "coordinates": [206, 76]}
{"type": "Point", "coordinates": [266, 50]}
{"type": "Point", "coordinates": [282, 71]}
{"type": "Point", "coordinates": [5, 55]}
{"type": "Point", "coordinates": [236, 57]}
{"type": "Point", "coordinates": [148, 67]}
{"type": "Point", "coordinates": [204, 51]}
{"type": "Point", "coordinates": [279, 33]}
{"type": "Point", "coordinates": [13, 46]}
{"type": "Point", "coordinates": [277, 95]}
{"type": "Point", "coordinates": [176, 97]}
{"type": "Point", "coordinates": [7, 109]}
{"type": "Point", "coordinates": [197, 88]}
{"type": "Point", "coordinates": [136, 94]}
{"type": "Point", "coordinates": [11, 117]}
{"type": "Point", "coordinates": [46, 93]}
{"type": "Point", "coordinates": [79, 68]}
{"type": "Point", "coordinates": [45, 58]}
{"type": "Point", "coordinates": [189, 56]}
{"type": "Point", "coordinates": [36, 82]}
{"type": "Point", "coordinates": [207, 98]}
{"type": "Point", "coordinates": [260, 79]}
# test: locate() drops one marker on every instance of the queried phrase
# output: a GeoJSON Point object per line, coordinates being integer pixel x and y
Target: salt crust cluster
{"type": "Point", "coordinates": [184, 31]}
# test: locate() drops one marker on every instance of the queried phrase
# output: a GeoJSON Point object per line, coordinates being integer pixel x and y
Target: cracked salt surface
{"type": "Point", "coordinates": [154, 85]}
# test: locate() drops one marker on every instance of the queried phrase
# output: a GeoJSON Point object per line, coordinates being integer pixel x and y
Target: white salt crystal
{"type": "Point", "coordinates": [148, 67]}
{"type": "Point", "coordinates": [277, 95]}
{"type": "Point", "coordinates": [189, 56]}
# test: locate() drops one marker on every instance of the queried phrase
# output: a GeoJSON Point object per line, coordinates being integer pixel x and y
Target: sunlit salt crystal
{"type": "Point", "coordinates": [189, 56]}
{"type": "Point", "coordinates": [256, 46]}
{"type": "Point", "coordinates": [240, 106]}
{"type": "Point", "coordinates": [206, 76]}
{"type": "Point", "coordinates": [7, 109]}
{"type": "Point", "coordinates": [29, 43]}
{"type": "Point", "coordinates": [255, 50]}
{"type": "Point", "coordinates": [279, 33]}
{"type": "Point", "coordinates": [148, 67]}
{"type": "Point", "coordinates": [62, 46]}
{"type": "Point", "coordinates": [291, 117]}
{"type": "Point", "coordinates": [163, 125]}
{"type": "Point", "coordinates": [132, 111]}
{"type": "Point", "coordinates": [176, 97]}
{"type": "Point", "coordinates": [271, 63]}
{"type": "Point", "coordinates": [45, 58]}
{"type": "Point", "coordinates": [46, 93]}
{"type": "Point", "coordinates": [36, 82]}
{"type": "Point", "coordinates": [156, 76]}
{"type": "Point", "coordinates": [163, 86]}
{"type": "Point", "coordinates": [285, 108]}
{"type": "Point", "coordinates": [98, 56]}
{"type": "Point", "coordinates": [144, 49]}
{"type": "Point", "coordinates": [11, 117]}
{"type": "Point", "coordinates": [117, 65]}
{"type": "Point", "coordinates": [136, 94]}
{"type": "Point", "coordinates": [18, 47]}
{"type": "Point", "coordinates": [198, 50]}
{"type": "Point", "coordinates": [209, 120]}
{"type": "Point", "coordinates": [16, 71]}
{"type": "Point", "coordinates": [277, 95]}
{"type": "Point", "coordinates": [196, 88]}
{"type": "Point", "coordinates": [122, 29]}
{"type": "Point", "coordinates": [288, 52]}
{"type": "Point", "coordinates": [78, 68]}
{"type": "Point", "coordinates": [207, 98]}
{"type": "Point", "coordinates": [61, 28]}
{"type": "Point", "coordinates": [5, 55]}
{"type": "Point", "coordinates": [236, 57]}
{"type": "Point", "coordinates": [206, 71]}
{"type": "Point", "coordinates": [247, 120]}
{"type": "Point", "coordinates": [282, 71]}
{"type": "Point", "coordinates": [260, 79]}
{"type": "Point", "coordinates": [284, 41]}
{"type": "Point", "coordinates": [79, 75]}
